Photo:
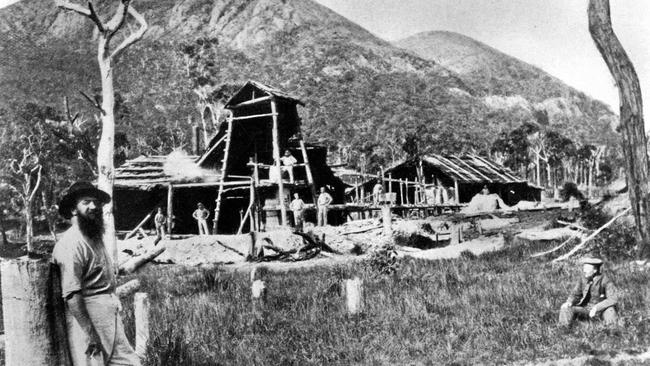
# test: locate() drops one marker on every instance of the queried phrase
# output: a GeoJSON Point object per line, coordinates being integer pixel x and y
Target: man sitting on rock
{"type": "Point", "coordinates": [594, 296]}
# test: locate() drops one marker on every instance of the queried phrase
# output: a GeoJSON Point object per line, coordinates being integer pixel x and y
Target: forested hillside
{"type": "Point", "coordinates": [361, 92]}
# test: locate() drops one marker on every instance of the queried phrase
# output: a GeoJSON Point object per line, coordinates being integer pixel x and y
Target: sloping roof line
{"type": "Point", "coordinates": [460, 167]}
{"type": "Point", "coordinates": [467, 168]}
{"type": "Point", "coordinates": [499, 170]}
{"type": "Point", "coordinates": [437, 160]}
{"type": "Point", "coordinates": [271, 91]}
{"type": "Point", "coordinates": [472, 168]}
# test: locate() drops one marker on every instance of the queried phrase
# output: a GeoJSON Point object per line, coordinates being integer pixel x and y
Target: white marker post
{"type": "Point", "coordinates": [353, 296]}
{"type": "Point", "coordinates": [141, 312]}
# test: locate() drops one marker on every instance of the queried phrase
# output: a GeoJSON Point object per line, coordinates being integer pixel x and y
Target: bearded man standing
{"type": "Point", "coordinates": [95, 331]}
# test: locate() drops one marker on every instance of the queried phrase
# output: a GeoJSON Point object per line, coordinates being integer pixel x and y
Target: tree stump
{"type": "Point", "coordinates": [353, 296]}
{"type": "Point", "coordinates": [33, 313]}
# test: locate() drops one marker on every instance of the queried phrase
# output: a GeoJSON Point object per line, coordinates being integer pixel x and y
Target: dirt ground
{"type": "Point", "coordinates": [424, 238]}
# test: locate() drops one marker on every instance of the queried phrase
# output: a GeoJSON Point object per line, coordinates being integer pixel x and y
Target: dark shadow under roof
{"type": "Point", "coordinates": [255, 90]}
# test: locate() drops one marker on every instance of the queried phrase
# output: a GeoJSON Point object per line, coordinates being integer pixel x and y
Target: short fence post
{"type": "Point", "coordinates": [258, 291]}
{"type": "Point", "coordinates": [33, 313]}
{"type": "Point", "coordinates": [141, 312]}
{"type": "Point", "coordinates": [456, 233]}
{"type": "Point", "coordinates": [353, 295]}
{"type": "Point", "coordinates": [386, 219]}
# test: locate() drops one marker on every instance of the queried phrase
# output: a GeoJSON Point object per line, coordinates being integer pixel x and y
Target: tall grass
{"type": "Point", "coordinates": [493, 309]}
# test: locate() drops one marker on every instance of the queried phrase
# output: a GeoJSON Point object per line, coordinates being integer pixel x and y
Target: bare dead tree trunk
{"type": "Point", "coordinates": [51, 215]}
{"type": "Point", "coordinates": [105, 59]}
{"type": "Point", "coordinates": [631, 110]}
{"type": "Point", "coordinates": [537, 170]}
{"type": "Point", "coordinates": [25, 171]}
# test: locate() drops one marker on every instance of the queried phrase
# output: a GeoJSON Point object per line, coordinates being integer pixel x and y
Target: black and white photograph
{"type": "Point", "coordinates": [324, 182]}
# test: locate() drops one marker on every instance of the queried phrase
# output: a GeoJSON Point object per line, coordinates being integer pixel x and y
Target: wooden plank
{"type": "Point", "coordinates": [275, 115]}
{"type": "Point", "coordinates": [251, 102]}
{"type": "Point", "coordinates": [310, 177]}
{"type": "Point", "coordinates": [214, 147]}
{"type": "Point", "coordinates": [139, 227]}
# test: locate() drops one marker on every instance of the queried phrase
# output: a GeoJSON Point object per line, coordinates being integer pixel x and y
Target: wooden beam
{"type": "Point", "coordinates": [251, 102]}
{"type": "Point", "coordinates": [310, 177]}
{"type": "Point", "coordinates": [139, 227]}
{"type": "Point", "coordinates": [211, 150]}
{"type": "Point", "coordinates": [212, 184]}
{"type": "Point", "coordinates": [135, 263]}
{"type": "Point", "coordinates": [274, 115]}
{"type": "Point", "coordinates": [276, 158]}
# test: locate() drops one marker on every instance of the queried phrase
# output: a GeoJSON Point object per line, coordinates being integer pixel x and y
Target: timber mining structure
{"type": "Point", "coordinates": [239, 177]}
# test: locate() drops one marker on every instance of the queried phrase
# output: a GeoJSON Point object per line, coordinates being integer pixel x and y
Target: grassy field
{"type": "Point", "coordinates": [494, 309]}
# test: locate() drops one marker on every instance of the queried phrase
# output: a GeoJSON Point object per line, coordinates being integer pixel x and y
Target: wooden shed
{"type": "Point", "coordinates": [459, 178]}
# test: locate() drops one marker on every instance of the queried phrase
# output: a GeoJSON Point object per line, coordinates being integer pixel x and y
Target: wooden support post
{"type": "Point", "coordinates": [33, 314]}
{"type": "Point", "coordinates": [253, 224]}
{"type": "Point", "coordinates": [353, 295]}
{"type": "Point", "coordinates": [456, 193]}
{"type": "Point", "coordinates": [256, 173]}
{"type": "Point", "coordinates": [401, 193]}
{"type": "Point", "coordinates": [310, 177]}
{"type": "Point", "coordinates": [387, 220]}
{"type": "Point", "coordinates": [390, 182]}
{"type": "Point", "coordinates": [408, 201]}
{"type": "Point", "coordinates": [276, 157]}
{"type": "Point", "coordinates": [423, 182]}
{"type": "Point", "coordinates": [170, 209]}
{"type": "Point", "coordinates": [356, 189]}
{"type": "Point", "coordinates": [141, 314]}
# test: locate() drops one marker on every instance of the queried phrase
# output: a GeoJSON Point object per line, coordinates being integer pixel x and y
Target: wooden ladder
{"type": "Point", "coordinates": [222, 179]}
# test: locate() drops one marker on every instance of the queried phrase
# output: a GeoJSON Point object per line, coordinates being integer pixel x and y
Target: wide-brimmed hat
{"type": "Point", "coordinates": [77, 190]}
{"type": "Point", "coordinates": [592, 259]}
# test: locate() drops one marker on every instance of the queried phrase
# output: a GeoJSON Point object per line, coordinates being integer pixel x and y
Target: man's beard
{"type": "Point", "coordinates": [91, 227]}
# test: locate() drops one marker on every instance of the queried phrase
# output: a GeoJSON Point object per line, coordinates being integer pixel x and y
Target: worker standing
{"type": "Point", "coordinates": [201, 215]}
{"type": "Point", "coordinates": [324, 200]}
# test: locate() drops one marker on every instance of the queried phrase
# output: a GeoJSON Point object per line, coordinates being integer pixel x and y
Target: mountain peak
{"type": "Point", "coordinates": [360, 91]}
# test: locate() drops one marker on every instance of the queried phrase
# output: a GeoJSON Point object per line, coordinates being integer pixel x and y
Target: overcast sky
{"type": "Point", "coordinates": [551, 34]}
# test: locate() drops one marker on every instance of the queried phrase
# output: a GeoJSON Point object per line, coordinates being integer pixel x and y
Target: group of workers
{"type": "Point", "coordinates": [297, 207]}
